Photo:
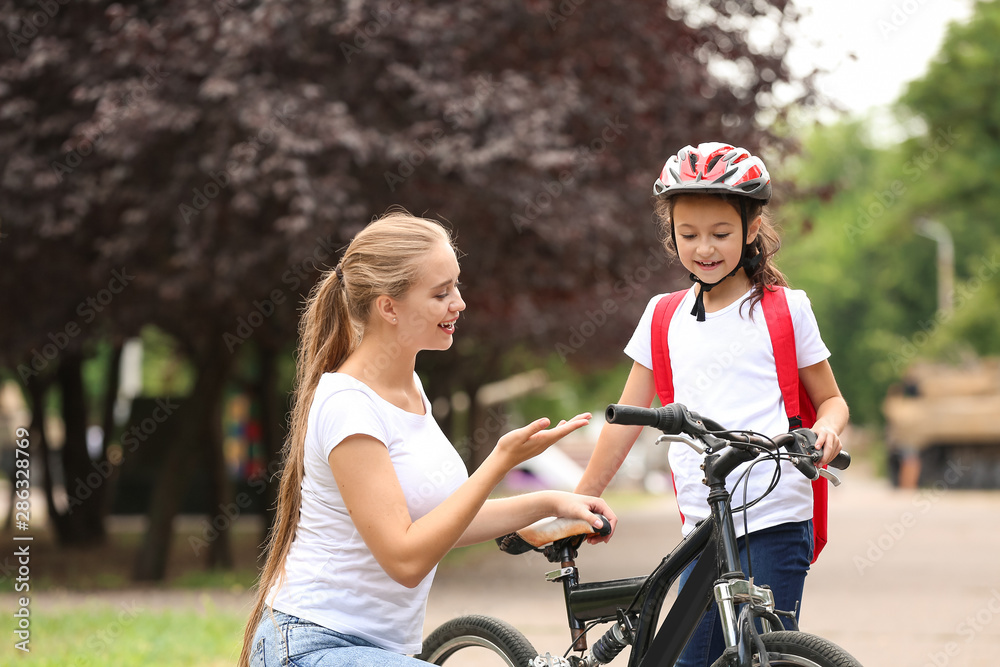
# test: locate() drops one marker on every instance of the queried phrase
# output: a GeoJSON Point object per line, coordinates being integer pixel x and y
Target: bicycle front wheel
{"type": "Point", "coordinates": [798, 649]}
{"type": "Point", "coordinates": [477, 640]}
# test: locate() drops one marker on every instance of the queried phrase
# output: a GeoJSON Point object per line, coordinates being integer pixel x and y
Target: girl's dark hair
{"type": "Point", "coordinates": [767, 243]}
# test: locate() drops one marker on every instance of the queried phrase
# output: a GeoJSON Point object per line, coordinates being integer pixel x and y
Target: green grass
{"type": "Point", "coordinates": [236, 581]}
{"type": "Point", "coordinates": [127, 635]}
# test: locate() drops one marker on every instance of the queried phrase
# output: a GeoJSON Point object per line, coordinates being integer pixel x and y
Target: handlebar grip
{"type": "Point", "coordinates": [669, 418]}
{"type": "Point", "coordinates": [631, 415]}
{"type": "Point", "coordinates": [841, 461]}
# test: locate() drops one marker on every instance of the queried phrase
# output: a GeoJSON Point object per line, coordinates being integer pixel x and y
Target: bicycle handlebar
{"type": "Point", "coordinates": [674, 419]}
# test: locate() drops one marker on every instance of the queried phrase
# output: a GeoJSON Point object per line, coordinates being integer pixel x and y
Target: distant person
{"type": "Point", "coordinates": [722, 365]}
{"type": "Point", "coordinates": [372, 494]}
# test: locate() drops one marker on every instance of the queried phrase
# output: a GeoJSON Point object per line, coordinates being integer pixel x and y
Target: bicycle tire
{"type": "Point", "coordinates": [798, 649]}
{"type": "Point", "coordinates": [473, 632]}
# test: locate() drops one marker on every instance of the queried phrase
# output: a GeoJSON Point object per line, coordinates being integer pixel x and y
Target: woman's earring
{"type": "Point", "coordinates": [394, 320]}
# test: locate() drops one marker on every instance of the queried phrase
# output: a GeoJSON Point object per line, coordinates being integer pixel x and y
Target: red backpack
{"type": "Point", "coordinates": [798, 406]}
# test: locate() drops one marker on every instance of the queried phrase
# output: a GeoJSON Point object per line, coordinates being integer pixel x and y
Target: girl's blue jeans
{"type": "Point", "coordinates": [781, 556]}
{"type": "Point", "coordinates": [289, 641]}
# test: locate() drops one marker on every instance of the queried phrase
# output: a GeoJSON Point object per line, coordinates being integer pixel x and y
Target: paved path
{"type": "Point", "coordinates": [909, 579]}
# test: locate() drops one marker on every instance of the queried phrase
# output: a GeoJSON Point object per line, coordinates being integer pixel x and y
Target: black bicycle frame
{"type": "Point", "coordinates": [712, 543]}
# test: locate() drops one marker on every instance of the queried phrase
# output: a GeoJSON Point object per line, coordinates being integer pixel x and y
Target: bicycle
{"type": "Point", "coordinates": [633, 605]}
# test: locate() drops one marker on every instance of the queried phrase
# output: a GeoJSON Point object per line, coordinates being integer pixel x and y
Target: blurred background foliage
{"type": "Point", "coordinates": [218, 155]}
{"type": "Point", "coordinates": [850, 202]}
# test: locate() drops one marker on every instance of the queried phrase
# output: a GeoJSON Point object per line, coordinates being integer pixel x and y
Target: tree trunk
{"type": "Point", "coordinates": [198, 419]}
{"type": "Point", "coordinates": [272, 418]}
{"type": "Point", "coordinates": [108, 424]}
{"type": "Point", "coordinates": [222, 512]}
{"type": "Point", "coordinates": [83, 522]}
{"type": "Point", "coordinates": [481, 438]}
{"type": "Point", "coordinates": [38, 389]}
{"type": "Point", "coordinates": [484, 424]}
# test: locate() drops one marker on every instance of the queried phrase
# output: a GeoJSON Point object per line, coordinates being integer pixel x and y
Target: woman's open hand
{"type": "Point", "coordinates": [529, 441]}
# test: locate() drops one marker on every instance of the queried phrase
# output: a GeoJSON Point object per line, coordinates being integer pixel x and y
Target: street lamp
{"type": "Point", "coordinates": [935, 231]}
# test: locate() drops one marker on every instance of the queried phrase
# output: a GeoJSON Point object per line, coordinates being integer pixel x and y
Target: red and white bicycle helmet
{"type": "Point", "coordinates": [714, 168]}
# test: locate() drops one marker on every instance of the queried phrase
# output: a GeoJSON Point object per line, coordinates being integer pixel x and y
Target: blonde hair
{"type": "Point", "coordinates": [767, 243]}
{"type": "Point", "coordinates": [383, 259]}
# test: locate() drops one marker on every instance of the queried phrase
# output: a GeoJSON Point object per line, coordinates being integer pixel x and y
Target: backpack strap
{"type": "Point", "coordinates": [780, 328]}
{"type": "Point", "coordinates": [798, 406]}
{"type": "Point", "coordinates": [663, 375]}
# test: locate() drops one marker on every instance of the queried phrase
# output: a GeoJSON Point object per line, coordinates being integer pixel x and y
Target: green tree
{"type": "Point", "coordinates": [849, 243]}
{"type": "Point", "coordinates": [958, 101]}
{"type": "Point", "coordinates": [222, 153]}
{"type": "Point", "coordinates": [851, 212]}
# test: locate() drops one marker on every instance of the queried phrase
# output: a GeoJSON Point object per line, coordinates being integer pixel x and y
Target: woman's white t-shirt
{"type": "Point", "coordinates": [724, 369]}
{"type": "Point", "coordinates": [331, 578]}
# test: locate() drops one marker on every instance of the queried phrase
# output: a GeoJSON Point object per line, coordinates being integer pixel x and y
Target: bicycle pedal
{"type": "Point", "coordinates": [549, 660]}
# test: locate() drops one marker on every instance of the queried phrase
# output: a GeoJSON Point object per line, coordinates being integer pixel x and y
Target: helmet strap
{"type": "Point", "coordinates": [699, 301]}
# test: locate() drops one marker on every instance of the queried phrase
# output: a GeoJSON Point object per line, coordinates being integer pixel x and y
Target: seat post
{"type": "Point", "coordinates": [569, 576]}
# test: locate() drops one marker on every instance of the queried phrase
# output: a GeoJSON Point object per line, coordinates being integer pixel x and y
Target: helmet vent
{"type": "Point", "coordinates": [722, 179]}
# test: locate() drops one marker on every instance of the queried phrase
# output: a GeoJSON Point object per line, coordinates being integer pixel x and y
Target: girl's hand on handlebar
{"type": "Point", "coordinates": [827, 442]}
{"type": "Point", "coordinates": [529, 441]}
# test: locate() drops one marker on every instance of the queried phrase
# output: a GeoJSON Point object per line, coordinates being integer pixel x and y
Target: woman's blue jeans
{"type": "Point", "coordinates": [289, 641]}
{"type": "Point", "coordinates": [781, 556]}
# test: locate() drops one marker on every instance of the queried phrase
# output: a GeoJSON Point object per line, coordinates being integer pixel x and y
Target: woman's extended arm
{"type": "Point", "coordinates": [408, 550]}
{"type": "Point", "coordinates": [615, 441]}
{"type": "Point", "coordinates": [831, 408]}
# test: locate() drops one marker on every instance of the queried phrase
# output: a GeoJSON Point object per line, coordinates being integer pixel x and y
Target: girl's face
{"type": "Point", "coordinates": [707, 231]}
{"type": "Point", "coordinates": [428, 312]}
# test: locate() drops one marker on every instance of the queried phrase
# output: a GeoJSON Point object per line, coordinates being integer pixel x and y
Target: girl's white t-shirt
{"type": "Point", "coordinates": [331, 578]}
{"type": "Point", "coordinates": [724, 369]}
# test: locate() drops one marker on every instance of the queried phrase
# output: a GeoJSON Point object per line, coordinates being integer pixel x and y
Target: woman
{"type": "Point", "coordinates": [373, 495]}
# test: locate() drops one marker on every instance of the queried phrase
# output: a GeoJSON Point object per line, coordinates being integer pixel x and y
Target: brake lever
{"type": "Point", "coordinates": [693, 443]}
{"type": "Point", "coordinates": [805, 457]}
{"type": "Point", "coordinates": [828, 474]}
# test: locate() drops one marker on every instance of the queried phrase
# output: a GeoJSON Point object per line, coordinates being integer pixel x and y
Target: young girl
{"type": "Point", "coordinates": [373, 495]}
{"type": "Point", "coordinates": [710, 204]}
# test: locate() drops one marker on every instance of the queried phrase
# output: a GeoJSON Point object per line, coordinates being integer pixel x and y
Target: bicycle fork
{"type": "Point", "coordinates": [730, 594]}
{"type": "Point", "coordinates": [733, 590]}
